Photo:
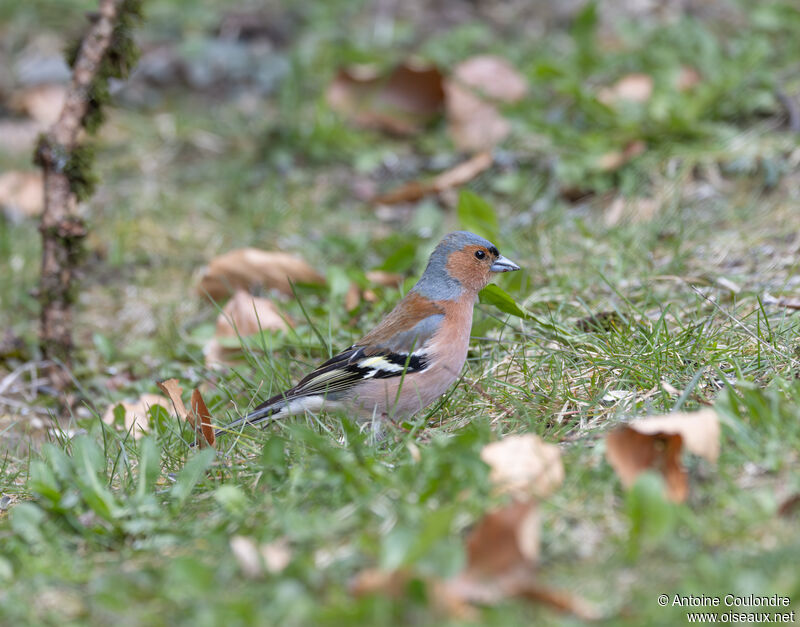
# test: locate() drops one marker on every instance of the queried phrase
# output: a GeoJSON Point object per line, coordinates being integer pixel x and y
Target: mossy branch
{"type": "Point", "coordinates": [106, 50]}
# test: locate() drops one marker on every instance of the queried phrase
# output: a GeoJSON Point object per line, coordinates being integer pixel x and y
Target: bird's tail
{"type": "Point", "coordinates": [259, 415]}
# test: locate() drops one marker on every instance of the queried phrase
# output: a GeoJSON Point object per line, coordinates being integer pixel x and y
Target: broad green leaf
{"type": "Point", "coordinates": [477, 215]}
{"type": "Point", "coordinates": [494, 295]}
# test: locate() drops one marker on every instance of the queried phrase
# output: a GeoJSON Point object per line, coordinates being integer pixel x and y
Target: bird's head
{"type": "Point", "coordinates": [461, 263]}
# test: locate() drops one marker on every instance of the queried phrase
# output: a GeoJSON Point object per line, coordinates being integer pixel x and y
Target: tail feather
{"type": "Point", "coordinates": [263, 411]}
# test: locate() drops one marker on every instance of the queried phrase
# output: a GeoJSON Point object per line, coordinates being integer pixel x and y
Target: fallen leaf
{"type": "Point", "coordinates": [656, 443]}
{"type": "Point", "coordinates": [202, 416]}
{"type": "Point", "coordinates": [21, 194]}
{"type": "Point", "coordinates": [255, 559]}
{"type": "Point", "coordinates": [503, 540]}
{"type": "Point", "coordinates": [454, 177]}
{"type": "Point", "coordinates": [173, 390]}
{"type": "Point", "coordinates": [524, 466]}
{"type": "Point", "coordinates": [502, 551]}
{"type": "Point", "coordinates": [198, 416]}
{"type": "Point", "coordinates": [43, 103]}
{"type": "Point", "coordinates": [137, 420]}
{"type": "Point", "coordinates": [353, 297]}
{"type": "Point", "coordinates": [248, 315]}
{"type": "Point", "coordinates": [386, 279]}
{"type": "Point", "coordinates": [492, 76]}
{"type": "Point", "coordinates": [276, 555]}
{"type": "Point", "coordinates": [246, 268]}
{"type": "Point", "coordinates": [475, 125]}
{"type": "Point", "coordinates": [245, 552]}
{"type": "Point", "coordinates": [688, 77]}
{"type": "Point", "coordinates": [631, 87]}
{"type": "Point", "coordinates": [18, 136]}
{"type": "Point", "coordinates": [400, 103]}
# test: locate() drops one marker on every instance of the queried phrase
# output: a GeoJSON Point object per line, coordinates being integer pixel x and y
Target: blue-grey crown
{"type": "Point", "coordinates": [436, 283]}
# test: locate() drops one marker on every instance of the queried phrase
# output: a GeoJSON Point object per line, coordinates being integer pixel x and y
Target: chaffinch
{"type": "Point", "coordinates": [414, 354]}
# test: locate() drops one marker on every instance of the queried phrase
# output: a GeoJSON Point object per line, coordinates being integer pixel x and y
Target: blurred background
{"type": "Point", "coordinates": [638, 158]}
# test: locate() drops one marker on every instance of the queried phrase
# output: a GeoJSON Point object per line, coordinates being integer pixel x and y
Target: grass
{"type": "Point", "coordinates": [101, 527]}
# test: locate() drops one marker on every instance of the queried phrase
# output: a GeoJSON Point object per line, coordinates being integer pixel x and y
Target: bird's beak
{"type": "Point", "coordinates": [501, 264]}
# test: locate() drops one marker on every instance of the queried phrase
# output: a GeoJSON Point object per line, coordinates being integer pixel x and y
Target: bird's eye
{"type": "Point", "coordinates": [480, 254]}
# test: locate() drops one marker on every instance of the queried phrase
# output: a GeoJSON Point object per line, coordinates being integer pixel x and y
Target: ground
{"type": "Point", "coordinates": [654, 279]}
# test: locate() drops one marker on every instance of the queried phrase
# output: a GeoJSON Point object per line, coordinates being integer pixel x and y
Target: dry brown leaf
{"type": "Point", "coordinates": [631, 87]}
{"type": "Point", "coordinates": [245, 552]}
{"type": "Point", "coordinates": [616, 159]}
{"type": "Point", "coordinates": [173, 390]}
{"type": "Point", "coordinates": [475, 125]}
{"type": "Point", "coordinates": [688, 77]}
{"type": "Point", "coordinates": [386, 279]}
{"type": "Point", "coordinates": [492, 76]}
{"type": "Point", "coordinates": [21, 194]}
{"type": "Point", "coordinates": [245, 268]}
{"type": "Point", "coordinates": [198, 416]}
{"type": "Point", "coordinates": [501, 553]}
{"type": "Point", "coordinates": [43, 103]}
{"type": "Point", "coordinates": [248, 314]}
{"type": "Point", "coordinates": [454, 177]}
{"type": "Point", "coordinates": [504, 539]}
{"type": "Point", "coordinates": [656, 443]}
{"type": "Point", "coordinates": [524, 466]}
{"type": "Point", "coordinates": [400, 103]}
{"type": "Point", "coordinates": [18, 136]}
{"type": "Point", "coordinates": [276, 555]}
{"type": "Point", "coordinates": [353, 297]}
{"type": "Point", "coordinates": [203, 417]}
{"type": "Point", "coordinates": [137, 420]}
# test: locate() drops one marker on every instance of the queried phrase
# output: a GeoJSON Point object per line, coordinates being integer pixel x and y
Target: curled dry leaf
{"type": "Point", "coordinates": [43, 103]}
{"type": "Point", "coordinates": [475, 125]}
{"type": "Point", "coordinates": [137, 419]}
{"type": "Point", "coordinates": [502, 551]}
{"type": "Point", "coordinates": [386, 279]}
{"type": "Point", "coordinates": [401, 102]}
{"type": "Point", "coordinates": [454, 177]}
{"type": "Point", "coordinates": [353, 297]}
{"type": "Point", "coordinates": [255, 559]}
{"type": "Point", "coordinates": [173, 390]}
{"type": "Point", "coordinates": [198, 416]}
{"type": "Point", "coordinates": [248, 315]}
{"type": "Point", "coordinates": [202, 416]}
{"type": "Point", "coordinates": [656, 443]}
{"type": "Point", "coordinates": [631, 87]}
{"type": "Point", "coordinates": [524, 466]}
{"type": "Point", "coordinates": [245, 552]}
{"type": "Point", "coordinates": [492, 76]}
{"type": "Point", "coordinates": [21, 194]}
{"type": "Point", "coordinates": [245, 268]}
